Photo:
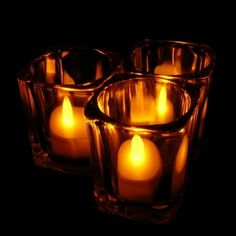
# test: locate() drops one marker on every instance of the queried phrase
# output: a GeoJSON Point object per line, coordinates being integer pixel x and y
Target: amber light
{"type": "Point", "coordinates": [67, 113]}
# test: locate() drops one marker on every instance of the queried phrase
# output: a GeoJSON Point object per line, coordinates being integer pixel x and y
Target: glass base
{"type": "Point", "coordinates": [160, 213]}
{"type": "Point", "coordinates": [79, 166]}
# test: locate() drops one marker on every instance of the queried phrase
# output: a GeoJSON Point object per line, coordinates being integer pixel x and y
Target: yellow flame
{"type": "Point", "coordinates": [162, 102]}
{"type": "Point", "coordinates": [137, 150]}
{"type": "Point", "coordinates": [67, 112]}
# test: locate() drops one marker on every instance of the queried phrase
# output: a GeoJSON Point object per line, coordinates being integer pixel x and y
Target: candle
{"type": "Point", "coordinates": [164, 107]}
{"type": "Point", "coordinates": [68, 131]}
{"type": "Point", "coordinates": [179, 170]}
{"type": "Point", "coordinates": [139, 169]}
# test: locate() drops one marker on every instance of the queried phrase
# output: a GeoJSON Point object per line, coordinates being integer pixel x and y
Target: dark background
{"type": "Point", "coordinates": [45, 201]}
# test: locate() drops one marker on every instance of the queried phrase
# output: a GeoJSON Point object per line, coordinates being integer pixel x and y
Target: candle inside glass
{"type": "Point", "coordinates": [139, 160]}
{"type": "Point", "coordinates": [134, 157]}
{"type": "Point", "coordinates": [139, 169]}
{"type": "Point", "coordinates": [68, 131]}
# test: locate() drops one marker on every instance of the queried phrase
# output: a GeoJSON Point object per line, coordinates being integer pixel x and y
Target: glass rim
{"type": "Point", "coordinates": [93, 112]}
{"type": "Point", "coordinates": [201, 74]}
{"type": "Point", "coordinates": [89, 86]}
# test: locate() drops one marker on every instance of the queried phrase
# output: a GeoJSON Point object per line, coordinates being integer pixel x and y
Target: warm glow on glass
{"type": "Point", "coordinates": [202, 120]}
{"type": "Point", "coordinates": [179, 170]}
{"type": "Point", "coordinates": [99, 70]}
{"type": "Point", "coordinates": [67, 79]}
{"type": "Point", "coordinates": [194, 62]}
{"type": "Point", "coordinates": [166, 68]}
{"type": "Point", "coordinates": [145, 109]}
{"type": "Point", "coordinates": [50, 69]}
{"type": "Point", "coordinates": [142, 107]}
{"type": "Point", "coordinates": [164, 107]}
{"type": "Point", "coordinates": [67, 113]}
{"type": "Point", "coordinates": [161, 102]}
{"type": "Point", "coordinates": [182, 155]}
{"type": "Point", "coordinates": [50, 66]}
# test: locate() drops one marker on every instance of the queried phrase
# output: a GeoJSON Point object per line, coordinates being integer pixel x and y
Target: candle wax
{"type": "Point", "coordinates": [139, 169]}
{"type": "Point", "coordinates": [68, 131]}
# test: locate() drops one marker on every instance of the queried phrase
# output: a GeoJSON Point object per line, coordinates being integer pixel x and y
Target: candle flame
{"type": "Point", "coordinates": [67, 112]}
{"type": "Point", "coordinates": [137, 150]}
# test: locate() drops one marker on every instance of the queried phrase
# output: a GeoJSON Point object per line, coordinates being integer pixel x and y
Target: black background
{"type": "Point", "coordinates": [45, 201]}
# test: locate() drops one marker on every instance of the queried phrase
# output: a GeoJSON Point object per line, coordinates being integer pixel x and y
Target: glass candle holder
{"type": "Point", "coordinates": [186, 61]}
{"type": "Point", "coordinates": [55, 89]}
{"type": "Point", "coordinates": [141, 130]}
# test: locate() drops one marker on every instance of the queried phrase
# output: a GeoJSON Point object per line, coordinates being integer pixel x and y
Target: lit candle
{"type": "Point", "coordinates": [68, 131]}
{"type": "Point", "coordinates": [139, 169]}
{"type": "Point", "coordinates": [164, 107]}
{"type": "Point", "coordinates": [179, 170]}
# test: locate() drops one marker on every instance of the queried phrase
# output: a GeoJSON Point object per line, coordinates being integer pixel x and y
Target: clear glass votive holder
{"type": "Point", "coordinates": [54, 90]}
{"type": "Point", "coordinates": [186, 61]}
{"type": "Point", "coordinates": [141, 130]}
